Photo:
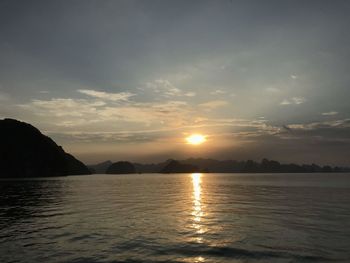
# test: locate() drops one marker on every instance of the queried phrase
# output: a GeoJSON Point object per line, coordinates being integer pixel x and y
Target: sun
{"type": "Point", "coordinates": [195, 139]}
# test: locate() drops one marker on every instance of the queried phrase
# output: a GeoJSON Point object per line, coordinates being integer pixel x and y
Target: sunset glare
{"type": "Point", "coordinates": [195, 139]}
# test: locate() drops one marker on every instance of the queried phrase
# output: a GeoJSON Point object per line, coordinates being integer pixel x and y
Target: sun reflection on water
{"type": "Point", "coordinates": [197, 211]}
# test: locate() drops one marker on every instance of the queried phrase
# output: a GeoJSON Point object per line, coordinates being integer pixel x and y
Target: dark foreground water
{"type": "Point", "coordinates": [176, 218]}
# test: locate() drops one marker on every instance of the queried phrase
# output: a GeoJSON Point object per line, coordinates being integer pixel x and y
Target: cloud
{"type": "Point", "coordinates": [285, 102]}
{"type": "Point", "coordinates": [272, 90]}
{"type": "Point", "coordinates": [68, 114]}
{"type": "Point", "coordinates": [292, 76]}
{"type": "Point", "coordinates": [101, 122]}
{"type": "Point", "coordinates": [334, 132]}
{"type": "Point", "coordinates": [242, 128]}
{"type": "Point", "coordinates": [76, 112]}
{"type": "Point", "coordinates": [342, 123]}
{"type": "Point", "coordinates": [245, 129]}
{"type": "Point", "coordinates": [170, 113]}
{"type": "Point", "coordinates": [163, 86]}
{"type": "Point", "coordinates": [167, 89]}
{"type": "Point", "coordinates": [190, 94]}
{"type": "Point", "coordinates": [330, 113]}
{"type": "Point", "coordinates": [218, 92]}
{"type": "Point", "coordinates": [121, 96]}
{"type": "Point", "coordinates": [60, 107]}
{"type": "Point", "coordinates": [294, 100]}
{"type": "Point", "coordinates": [298, 100]}
{"type": "Point", "coordinates": [110, 137]}
{"type": "Point", "coordinates": [214, 104]}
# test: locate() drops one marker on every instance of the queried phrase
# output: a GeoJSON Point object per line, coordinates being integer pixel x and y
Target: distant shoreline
{"type": "Point", "coordinates": [200, 165]}
{"type": "Point", "coordinates": [135, 174]}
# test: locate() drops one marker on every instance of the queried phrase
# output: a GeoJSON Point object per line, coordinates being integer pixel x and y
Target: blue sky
{"type": "Point", "coordinates": [131, 79]}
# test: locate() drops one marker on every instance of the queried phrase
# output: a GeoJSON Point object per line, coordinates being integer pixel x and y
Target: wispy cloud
{"type": "Point", "coordinates": [285, 102]}
{"type": "Point", "coordinates": [218, 92]}
{"type": "Point", "coordinates": [298, 100]}
{"type": "Point", "coordinates": [61, 107]}
{"type": "Point", "coordinates": [190, 94]}
{"type": "Point", "coordinates": [330, 113]}
{"type": "Point", "coordinates": [242, 128]}
{"type": "Point", "coordinates": [120, 96]}
{"type": "Point", "coordinates": [76, 112]}
{"type": "Point", "coordinates": [214, 104]}
{"type": "Point", "coordinates": [323, 131]}
{"type": "Point", "coordinates": [294, 100]}
{"type": "Point", "coordinates": [167, 89]}
{"type": "Point", "coordinates": [342, 123]}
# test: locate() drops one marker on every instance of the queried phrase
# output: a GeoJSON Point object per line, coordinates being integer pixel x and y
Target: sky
{"type": "Point", "coordinates": [130, 80]}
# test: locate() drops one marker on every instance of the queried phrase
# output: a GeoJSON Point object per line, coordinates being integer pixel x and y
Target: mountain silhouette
{"type": "Point", "coordinates": [121, 167]}
{"type": "Point", "coordinates": [228, 166]}
{"type": "Point", "coordinates": [99, 168]}
{"type": "Point", "coordinates": [26, 152]}
{"type": "Point", "coordinates": [151, 167]}
{"type": "Point", "coordinates": [177, 167]}
{"type": "Point", "coordinates": [265, 166]}
{"type": "Point", "coordinates": [233, 166]}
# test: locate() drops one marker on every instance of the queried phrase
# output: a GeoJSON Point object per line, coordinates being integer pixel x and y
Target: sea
{"type": "Point", "coordinates": [176, 218]}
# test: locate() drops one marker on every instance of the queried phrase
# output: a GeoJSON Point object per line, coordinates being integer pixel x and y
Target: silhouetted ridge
{"type": "Point", "coordinates": [177, 167]}
{"type": "Point", "coordinates": [265, 166]}
{"type": "Point", "coordinates": [26, 152]}
{"type": "Point", "coordinates": [121, 168]}
{"type": "Point", "coordinates": [232, 166]}
{"type": "Point", "coordinates": [100, 168]}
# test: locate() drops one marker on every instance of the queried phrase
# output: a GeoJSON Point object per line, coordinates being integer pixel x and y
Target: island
{"type": "Point", "coordinates": [176, 167]}
{"type": "Point", "coordinates": [26, 152]}
{"type": "Point", "coordinates": [121, 167]}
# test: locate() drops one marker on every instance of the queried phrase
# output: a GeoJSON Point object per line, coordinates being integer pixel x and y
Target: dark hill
{"type": "Point", "coordinates": [152, 167]}
{"type": "Point", "coordinates": [26, 152]}
{"type": "Point", "coordinates": [121, 168]}
{"type": "Point", "coordinates": [232, 166]}
{"type": "Point", "coordinates": [177, 167]}
{"type": "Point", "coordinates": [100, 168]}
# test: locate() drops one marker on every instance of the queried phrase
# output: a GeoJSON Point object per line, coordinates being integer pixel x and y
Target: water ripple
{"type": "Point", "coordinates": [176, 218]}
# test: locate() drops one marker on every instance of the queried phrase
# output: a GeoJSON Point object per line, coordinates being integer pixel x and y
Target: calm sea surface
{"type": "Point", "coordinates": [176, 218]}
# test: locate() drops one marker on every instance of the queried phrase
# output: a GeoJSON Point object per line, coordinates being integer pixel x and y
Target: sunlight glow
{"type": "Point", "coordinates": [195, 139]}
{"type": "Point", "coordinates": [197, 212]}
{"type": "Point", "coordinates": [196, 180]}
